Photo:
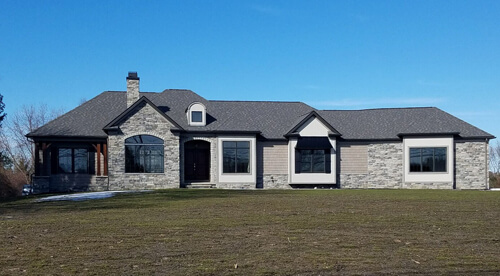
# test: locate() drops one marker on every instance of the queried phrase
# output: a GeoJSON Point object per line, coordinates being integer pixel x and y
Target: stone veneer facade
{"type": "Point", "coordinates": [145, 120]}
{"type": "Point", "coordinates": [385, 168]}
{"type": "Point", "coordinates": [471, 165]}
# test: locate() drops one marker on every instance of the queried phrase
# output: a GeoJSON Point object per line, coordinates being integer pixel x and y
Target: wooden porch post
{"type": "Point", "coordinates": [37, 159]}
{"type": "Point", "coordinates": [99, 159]}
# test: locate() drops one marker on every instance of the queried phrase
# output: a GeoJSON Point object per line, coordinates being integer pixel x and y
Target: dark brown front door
{"type": "Point", "coordinates": [197, 161]}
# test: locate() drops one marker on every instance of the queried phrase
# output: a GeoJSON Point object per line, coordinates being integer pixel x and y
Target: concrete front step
{"type": "Point", "coordinates": [200, 185]}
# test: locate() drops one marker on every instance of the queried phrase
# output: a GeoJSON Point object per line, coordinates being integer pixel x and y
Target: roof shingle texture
{"type": "Point", "coordinates": [272, 119]}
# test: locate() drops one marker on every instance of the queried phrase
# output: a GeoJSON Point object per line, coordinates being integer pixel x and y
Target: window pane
{"type": "Point", "coordinates": [427, 159]}
{"type": "Point", "coordinates": [81, 161]}
{"type": "Point", "coordinates": [243, 160]}
{"type": "Point", "coordinates": [133, 162]}
{"type": "Point", "coordinates": [318, 161]}
{"type": "Point", "coordinates": [228, 144]}
{"type": "Point", "coordinates": [415, 160]}
{"type": "Point", "coordinates": [229, 160]}
{"type": "Point", "coordinates": [65, 161]}
{"type": "Point", "coordinates": [440, 159]}
{"type": "Point", "coordinates": [243, 145]}
{"type": "Point", "coordinates": [144, 139]}
{"type": "Point", "coordinates": [196, 116]}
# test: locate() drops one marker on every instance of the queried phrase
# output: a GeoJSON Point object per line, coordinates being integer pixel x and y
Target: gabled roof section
{"type": "Point", "coordinates": [394, 123]}
{"type": "Point", "coordinates": [304, 119]}
{"type": "Point", "coordinates": [130, 110]}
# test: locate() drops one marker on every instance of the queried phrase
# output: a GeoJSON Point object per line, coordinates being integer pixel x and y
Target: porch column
{"type": "Point", "coordinates": [37, 159]}
{"type": "Point", "coordinates": [98, 159]}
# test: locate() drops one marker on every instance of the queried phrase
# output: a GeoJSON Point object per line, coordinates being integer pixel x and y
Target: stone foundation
{"type": "Point", "coordinates": [275, 181]}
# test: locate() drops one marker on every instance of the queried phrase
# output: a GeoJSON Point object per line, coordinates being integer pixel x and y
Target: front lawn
{"type": "Point", "coordinates": [221, 232]}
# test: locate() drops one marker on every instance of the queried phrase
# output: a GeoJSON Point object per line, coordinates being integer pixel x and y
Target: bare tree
{"type": "Point", "coordinates": [495, 158]}
{"type": "Point", "coordinates": [13, 140]}
{"type": "Point", "coordinates": [2, 107]}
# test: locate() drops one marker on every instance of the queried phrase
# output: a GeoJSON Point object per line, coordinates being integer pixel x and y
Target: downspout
{"type": "Point", "coordinates": [486, 161]}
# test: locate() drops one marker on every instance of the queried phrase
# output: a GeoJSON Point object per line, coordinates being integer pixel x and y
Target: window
{"type": "Point", "coordinates": [144, 154]}
{"type": "Point", "coordinates": [197, 116]}
{"type": "Point", "coordinates": [312, 155]}
{"type": "Point", "coordinates": [312, 161]}
{"type": "Point", "coordinates": [73, 160]}
{"type": "Point", "coordinates": [236, 157]}
{"type": "Point", "coordinates": [427, 159]}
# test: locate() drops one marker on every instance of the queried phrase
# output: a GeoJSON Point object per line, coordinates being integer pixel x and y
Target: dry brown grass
{"type": "Point", "coordinates": [220, 232]}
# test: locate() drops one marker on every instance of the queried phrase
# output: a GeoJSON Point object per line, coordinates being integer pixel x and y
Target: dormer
{"type": "Point", "coordinates": [197, 114]}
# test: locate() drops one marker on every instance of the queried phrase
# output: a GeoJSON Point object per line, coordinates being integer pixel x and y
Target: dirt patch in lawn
{"type": "Point", "coordinates": [220, 232]}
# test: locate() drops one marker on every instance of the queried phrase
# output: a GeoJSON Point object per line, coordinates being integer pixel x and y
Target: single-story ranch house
{"type": "Point", "coordinates": [176, 138]}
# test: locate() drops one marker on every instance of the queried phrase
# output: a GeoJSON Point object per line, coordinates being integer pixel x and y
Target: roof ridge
{"type": "Point", "coordinates": [243, 101]}
{"type": "Point", "coordinates": [382, 108]}
{"type": "Point", "coordinates": [114, 91]}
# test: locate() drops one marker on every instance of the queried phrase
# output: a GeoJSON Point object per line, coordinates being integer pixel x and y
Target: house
{"type": "Point", "coordinates": [176, 138]}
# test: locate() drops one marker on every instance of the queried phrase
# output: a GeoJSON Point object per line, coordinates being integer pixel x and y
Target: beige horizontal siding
{"type": "Point", "coordinates": [353, 158]}
{"type": "Point", "coordinates": [274, 157]}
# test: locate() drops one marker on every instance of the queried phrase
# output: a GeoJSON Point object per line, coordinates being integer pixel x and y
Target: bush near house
{"type": "Point", "coordinates": [494, 180]}
{"type": "Point", "coordinates": [259, 232]}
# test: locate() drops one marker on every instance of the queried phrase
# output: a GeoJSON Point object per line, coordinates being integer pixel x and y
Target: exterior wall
{"type": "Point", "coordinates": [471, 165]}
{"type": "Point", "coordinates": [144, 121]}
{"type": "Point", "coordinates": [272, 165]}
{"type": "Point", "coordinates": [237, 180]}
{"type": "Point", "coordinates": [352, 162]}
{"type": "Point", "coordinates": [384, 165]}
{"type": "Point", "coordinates": [213, 156]}
{"type": "Point", "coordinates": [58, 183]}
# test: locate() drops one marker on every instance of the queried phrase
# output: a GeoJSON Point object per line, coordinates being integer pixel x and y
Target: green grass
{"type": "Point", "coordinates": [221, 232]}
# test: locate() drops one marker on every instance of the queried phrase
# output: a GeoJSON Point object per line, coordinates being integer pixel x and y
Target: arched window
{"type": "Point", "coordinates": [144, 154]}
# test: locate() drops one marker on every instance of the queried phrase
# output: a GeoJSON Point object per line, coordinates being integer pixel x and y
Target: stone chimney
{"type": "Point", "coordinates": [132, 88]}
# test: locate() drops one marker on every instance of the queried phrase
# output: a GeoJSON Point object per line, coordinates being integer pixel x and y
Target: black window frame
{"type": "Point", "coordinates": [423, 166]}
{"type": "Point", "coordinates": [299, 161]}
{"type": "Point", "coordinates": [73, 164]}
{"type": "Point", "coordinates": [226, 147]}
{"type": "Point", "coordinates": [144, 160]}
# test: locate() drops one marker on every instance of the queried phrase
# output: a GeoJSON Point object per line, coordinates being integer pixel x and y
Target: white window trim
{"type": "Point", "coordinates": [312, 178]}
{"type": "Point", "coordinates": [428, 142]}
{"type": "Point", "coordinates": [237, 177]}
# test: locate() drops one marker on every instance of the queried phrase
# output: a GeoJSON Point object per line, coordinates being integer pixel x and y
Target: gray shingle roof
{"type": "Point", "coordinates": [271, 119]}
{"type": "Point", "coordinates": [387, 123]}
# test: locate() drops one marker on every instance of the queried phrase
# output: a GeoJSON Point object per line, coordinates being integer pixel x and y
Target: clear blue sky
{"type": "Point", "coordinates": [329, 54]}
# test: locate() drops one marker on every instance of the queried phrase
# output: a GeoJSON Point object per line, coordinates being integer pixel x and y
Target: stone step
{"type": "Point", "coordinates": [200, 185]}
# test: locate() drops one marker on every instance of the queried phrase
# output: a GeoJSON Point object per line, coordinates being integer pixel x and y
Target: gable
{"type": "Point", "coordinates": [142, 112]}
{"type": "Point", "coordinates": [313, 127]}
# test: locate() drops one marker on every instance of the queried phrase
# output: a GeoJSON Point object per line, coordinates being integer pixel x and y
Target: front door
{"type": "Point", "coordinates": [197, 161]}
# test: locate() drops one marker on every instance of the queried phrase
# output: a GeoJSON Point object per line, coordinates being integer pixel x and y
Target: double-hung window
{"type": "Point", "coordinates": [236, 156]}
{"type": "Point", "coordinates": [428, 159]}
{"type": "Point", "coordinates": [144, 154]}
